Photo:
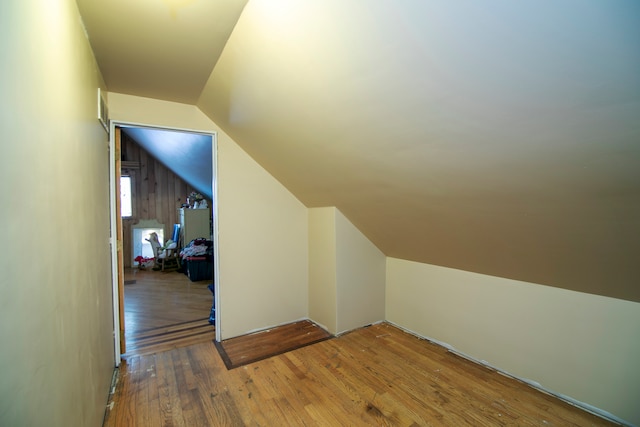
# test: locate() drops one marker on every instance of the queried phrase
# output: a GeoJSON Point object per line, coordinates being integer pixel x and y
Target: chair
{"type": "Point", "coordinates": [166, 259]}
{"type": "Point", "coordinates": [169, 258]}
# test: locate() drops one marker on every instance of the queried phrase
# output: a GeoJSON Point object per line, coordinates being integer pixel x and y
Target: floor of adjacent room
{"type": "Point", "coordinates": [165, 310]}
{"type": "Point", "coordinates": [172, 375]}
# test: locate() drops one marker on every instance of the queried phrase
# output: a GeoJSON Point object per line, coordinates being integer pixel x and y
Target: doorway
{"type": "Point", "coordinates": [175, 149]}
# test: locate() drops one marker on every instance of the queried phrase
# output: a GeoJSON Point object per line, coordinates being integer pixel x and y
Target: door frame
{"type": "Point", "coordinates": [116, 266]}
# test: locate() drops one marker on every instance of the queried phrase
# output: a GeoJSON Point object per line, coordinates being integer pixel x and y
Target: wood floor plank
{"type": "Point", "coordinates": [413, 382]}
{"type": "Point", "coordinates": [168, 392]}
{"type": "Point", "coordinates": [150, 407]}
{"type": "Point", "coordinates": [260, 345]}
{"type": "Point", "coordinates": [125, 397]}
{"type": "Point", "coordinates": [141, 400]}
{"type": "Point", "coordinates": [213, 387]}
{"type": "Point", "coordinates": [164, 311]}
{"type": "Point", "coordinates": [379, 375]}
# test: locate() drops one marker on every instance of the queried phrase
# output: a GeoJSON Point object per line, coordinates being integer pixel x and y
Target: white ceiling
{"type": "Point", "coordinates": [496, 137]}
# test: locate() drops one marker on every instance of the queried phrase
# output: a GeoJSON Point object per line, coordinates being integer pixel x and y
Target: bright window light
{"type": "Point", "coordinates": [126, 205]}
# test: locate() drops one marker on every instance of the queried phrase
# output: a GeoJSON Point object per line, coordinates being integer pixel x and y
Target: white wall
{"type": "Point", "coordinates": [322, 268]}
{"type": "Point", "coordinates": [574, 344]}
{"type": "Point", "coordinates": [55, 306]}
{"type": "Point", "coordinates": [262, 227]}
{"type": "Point", "coordinates": [360, 274]}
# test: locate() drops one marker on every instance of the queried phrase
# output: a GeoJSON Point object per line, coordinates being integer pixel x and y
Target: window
{"type": "Point", "coordinates": [126, 202]}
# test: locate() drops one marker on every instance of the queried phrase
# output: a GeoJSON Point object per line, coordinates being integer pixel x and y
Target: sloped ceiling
{"type": "Point", "coordinates": [188, 155]}
{"type": "Point", "coordinates": [162, 49]}
{"type": "Point", "coordinates": [496, 137]}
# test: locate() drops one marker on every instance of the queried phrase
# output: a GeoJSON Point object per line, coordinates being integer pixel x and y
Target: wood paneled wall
{"type": "Point", "coordinates": [157, 192]}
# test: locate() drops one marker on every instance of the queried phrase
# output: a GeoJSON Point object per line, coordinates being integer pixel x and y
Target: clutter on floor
{"type": "Point", "coordinates": [197, 260]}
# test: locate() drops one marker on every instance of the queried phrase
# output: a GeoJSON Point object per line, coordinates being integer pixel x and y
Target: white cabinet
{"type": "Point", "coordinates": [194, 223]}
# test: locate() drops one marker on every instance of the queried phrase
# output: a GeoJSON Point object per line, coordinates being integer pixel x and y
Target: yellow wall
{"type": "Point", "coordinates": [56, 320]}
{"type": "Point", "coordinates": [574, 344]}
{"type": "Point", "coordinates": [262, 227]}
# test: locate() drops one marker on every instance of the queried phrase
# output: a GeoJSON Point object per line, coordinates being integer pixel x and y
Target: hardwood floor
{"type": "Point", "coordinates": [373, 376]}
{"type": "Point", "coordinates": [260, 345]}
{"type": "Point", "coordinates": [164, 311]}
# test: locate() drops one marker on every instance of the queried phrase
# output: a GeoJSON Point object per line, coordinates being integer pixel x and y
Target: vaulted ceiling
{"type": "Point", "coordinates": [187, 154]}
{"type": "Point", "coordinates": [496, 137]}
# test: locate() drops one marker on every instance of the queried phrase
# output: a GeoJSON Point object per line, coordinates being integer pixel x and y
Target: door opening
{"type": "Point", "coordinates": [174, 139]}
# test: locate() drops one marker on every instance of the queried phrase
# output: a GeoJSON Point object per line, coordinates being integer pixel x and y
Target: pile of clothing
{"type": "Point", "coordinates": [197, 248]}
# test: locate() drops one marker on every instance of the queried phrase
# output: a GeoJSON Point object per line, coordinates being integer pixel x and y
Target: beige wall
{"type": "Point", "coordinates": [322, 268]}
{"type": "Point", "coordinates": [346, 273]}
{"type": "Point", "coordinates": [147, 111]}
{"type": "Point", "coordinates": [575, 344]}
{"type": "Point", "coordinates": [360, 277]}
{"type": "Point", "coordinates": [262, 227]}
{"type": "Point", "coordinates": [56, 320]}
{"type": "Point", "coordinates": [263, 247]}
